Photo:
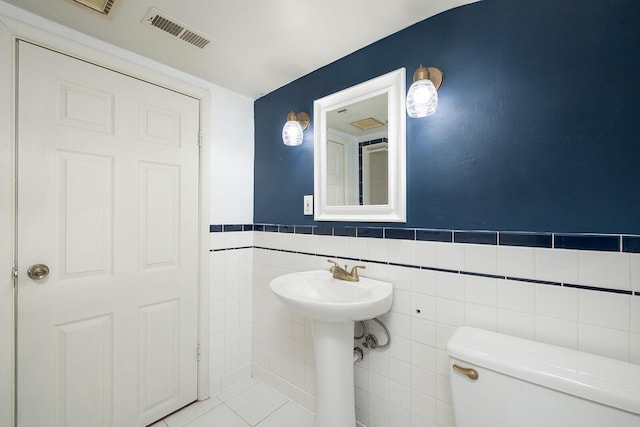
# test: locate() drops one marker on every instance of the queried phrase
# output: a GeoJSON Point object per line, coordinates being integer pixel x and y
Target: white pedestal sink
{"type": "Point", "coordinates": [333, 305]}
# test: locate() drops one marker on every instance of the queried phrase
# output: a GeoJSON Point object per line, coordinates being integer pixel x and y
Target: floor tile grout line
{"type": "Point", "coordinates": [258, 382]}
{"type": "Point", "coordinates": [238, 393]}
{"type": "Point", "coordinates": [239, 416]}
{"type": "Point", "coordinates": [273, 412]}
{"type": "Point", "coordinates": [196, 402]}
{"type": "Point", "coordinates": [280, 407]}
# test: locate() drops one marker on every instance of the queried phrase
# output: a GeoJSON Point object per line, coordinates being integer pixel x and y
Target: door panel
{"type": "Point", "coordinates": [336, 184]}
{"type": "Point", "coordinates": [85, 345]}
{"type": "Point", "coordinates": [157, 124]}
{"type": "Point", "coordinates": [159, 354]}
{"type": "Point", "coordinates": [108, 199]}
{"type": "Point", "coordinates": [84, 107]}
{"type": "Point", "coordinates": [159, 215]}
{"type": "Point", "coordinates": [85, 208]}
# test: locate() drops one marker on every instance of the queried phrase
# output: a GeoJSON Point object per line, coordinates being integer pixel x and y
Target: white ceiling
{"type": "Point", "coordinates": [259, 45]}
{"type": "Point", "coordinates": [341, 119]}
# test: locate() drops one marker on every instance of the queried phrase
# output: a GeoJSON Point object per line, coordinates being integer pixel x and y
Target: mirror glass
{"type": "Point", "coordinates": [357, 153]}
{"type": "Point", "coordinates": [360, 152]}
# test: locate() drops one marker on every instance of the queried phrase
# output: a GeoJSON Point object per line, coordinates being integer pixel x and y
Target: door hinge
{"type": "Point", "coordinates": [198, 352]}
{"type": "Point", "coordinates": [200, 138]}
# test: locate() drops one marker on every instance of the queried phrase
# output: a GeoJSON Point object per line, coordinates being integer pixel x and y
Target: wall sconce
{"type": "Point", "coordinates": [292, 130]}
{"type": "Point", "coordinates": [422, 98]}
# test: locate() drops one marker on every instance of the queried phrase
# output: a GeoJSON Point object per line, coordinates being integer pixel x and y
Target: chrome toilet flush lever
{"type": "Point", "coordinates": [342, 274]}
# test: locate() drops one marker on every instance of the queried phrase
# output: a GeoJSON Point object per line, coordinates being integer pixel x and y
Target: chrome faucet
{"type": "Point", "coordinates": [342, 274]}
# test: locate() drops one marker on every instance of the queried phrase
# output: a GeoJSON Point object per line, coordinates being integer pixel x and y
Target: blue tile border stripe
{"type": "Point", "coordinates": [434, 235]}
{"type": "Point", "coordinates": [231, 249]}
{"type": "Point", "coordinates": [323, 230]}
{"type": "Point", "coordinates": [286, 229]}
{"type": "Point", "coordinates": [302, 229]}
{"type": "Point", "coordinates": [539, 282]}
{"type": "Point", "coordinates": [592, 242]}
{"type": "Point", "coordinates": [377, 233]}
{"type": "Point", "coordinates": [400, 233]}
{"type": "Point", "coordinates": [476, 237]}
{"type": "Point", "coordinates": [580, 241]}
{"type": "Point", "coordinates": [588, 242]}
{"type": "Point", "coordinates": [595, 288]}
{"type": "Point", "coordinates": [631, 244]}
{"type": "Point", "coordinates": [345, 231]}
{"type": "Point", "coordinates": [531, 240]}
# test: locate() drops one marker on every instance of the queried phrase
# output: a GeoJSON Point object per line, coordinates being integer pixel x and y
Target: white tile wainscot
{"type": "Point", "coordinates": [407, 384]}
{"type": "Point", "coordinates": [230, 330]}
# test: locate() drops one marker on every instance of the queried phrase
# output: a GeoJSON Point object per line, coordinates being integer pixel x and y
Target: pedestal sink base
{"type": "Point", "coordinates": [333, 305]}
{"type": "Point", "coordinates": [335, 399]}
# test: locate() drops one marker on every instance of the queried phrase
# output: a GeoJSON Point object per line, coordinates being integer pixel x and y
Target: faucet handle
{"type": "Point", "coordinates": [354, 270]}
{"type": "Point", "coordinates": [335, 265]}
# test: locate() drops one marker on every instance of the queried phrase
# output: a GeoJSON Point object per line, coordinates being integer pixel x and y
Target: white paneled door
{"type": "Point", "coordinates": [336, 180]}
{"type": "Point", "coordinates": [108, 201]}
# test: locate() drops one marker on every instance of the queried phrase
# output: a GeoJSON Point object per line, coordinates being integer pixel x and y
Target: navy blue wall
{"type": "Point", "coordinates": [538, 126]}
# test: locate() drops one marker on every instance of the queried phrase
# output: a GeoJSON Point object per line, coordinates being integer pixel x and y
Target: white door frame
{"type": "Point", "coordinates": [16, 24]}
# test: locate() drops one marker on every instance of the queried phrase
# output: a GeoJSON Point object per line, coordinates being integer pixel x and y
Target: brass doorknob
{"type": "Point", "coordinates": [38, 271]}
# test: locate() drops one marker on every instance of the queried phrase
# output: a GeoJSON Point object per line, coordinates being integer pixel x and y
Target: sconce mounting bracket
{"type": "Point", "coordinates": [303, 119]}
{"type": "Point", "coordinates": [432, 73]}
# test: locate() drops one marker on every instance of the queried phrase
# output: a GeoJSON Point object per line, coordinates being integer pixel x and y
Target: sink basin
{"type": "Point", "coordinates": [317, 295]}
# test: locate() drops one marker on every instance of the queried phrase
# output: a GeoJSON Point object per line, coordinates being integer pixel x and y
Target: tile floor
{"type": "Point", "coordinates": [249, 403]}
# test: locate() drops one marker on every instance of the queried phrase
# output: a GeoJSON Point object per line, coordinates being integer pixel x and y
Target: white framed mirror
{"type": "Point", "coordinates": [360, 152]}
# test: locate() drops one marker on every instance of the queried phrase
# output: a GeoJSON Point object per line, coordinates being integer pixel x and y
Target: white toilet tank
{"type": "Point", "coordinates": [523, 383]}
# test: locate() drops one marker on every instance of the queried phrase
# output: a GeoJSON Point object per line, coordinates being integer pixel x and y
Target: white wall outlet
{"type": "Point", "coordinates": [308, 205]}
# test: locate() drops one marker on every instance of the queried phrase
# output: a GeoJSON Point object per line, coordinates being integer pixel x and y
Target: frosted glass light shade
{"type": "Point", "coordinates": [422, 99]}
{"type": "Point", "coordinates": [292, 133]}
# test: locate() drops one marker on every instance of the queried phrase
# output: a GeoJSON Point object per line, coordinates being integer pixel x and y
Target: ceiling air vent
{"type": "Point", "coordinates": [102, 6]}
{"type": "Point", "coordinates": [368, 123]}
{"type": "Point", "coordinates": [162, 21]}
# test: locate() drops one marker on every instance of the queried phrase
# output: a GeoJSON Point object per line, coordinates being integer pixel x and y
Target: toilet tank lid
{"type": "Point", "coordinates": [608, 381]}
